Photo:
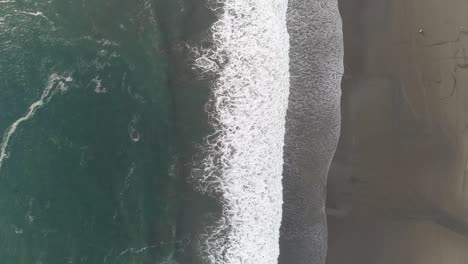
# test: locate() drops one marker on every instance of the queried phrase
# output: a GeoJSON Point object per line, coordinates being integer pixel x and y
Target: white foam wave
{"type": "Point", "coordinates": [132, 129]}
{"type": "Point", "coordinates": [37, 14]}
{"type": "Point", "coordinates": [99, 89]}
{"type": "Point", "coordinates": [2, 19]}
{"type": "Point", "coordinates": [55, 83]}
{"type": "Point", "coordinates": [243, 159]}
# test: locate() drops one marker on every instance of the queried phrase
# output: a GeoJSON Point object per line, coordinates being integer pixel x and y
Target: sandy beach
{"type": "Point", "coordinates": [400, 170]}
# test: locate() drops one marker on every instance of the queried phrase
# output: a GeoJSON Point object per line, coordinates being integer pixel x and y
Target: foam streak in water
{"type": "Point", "coordinates": [35, 14]}
{"type": "Point", "coordinates": [243, 158]}
{"type": "Point", "coordinates": [55, 83]}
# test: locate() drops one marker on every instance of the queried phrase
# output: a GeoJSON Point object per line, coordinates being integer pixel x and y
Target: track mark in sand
{"type": "Point", "coordinates": [54, 84]}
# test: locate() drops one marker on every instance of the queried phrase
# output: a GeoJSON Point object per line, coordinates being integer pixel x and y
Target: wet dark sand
{"type": "Point", "coordinates": [312, 127]}
{"type": "Point", "coordinates": [400, 169]}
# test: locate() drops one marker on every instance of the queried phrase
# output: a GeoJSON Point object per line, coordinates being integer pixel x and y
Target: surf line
{"type": "Point", "coordinates": [55, 83]}
{"type": "Point", "coordinates": [243, 159]}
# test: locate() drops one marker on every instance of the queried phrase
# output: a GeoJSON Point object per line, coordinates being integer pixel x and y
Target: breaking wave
{"type": "Point", "coordinates": [243, 158]}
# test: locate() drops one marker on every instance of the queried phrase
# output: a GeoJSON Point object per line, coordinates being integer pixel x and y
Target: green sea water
{"type": "Point", "coordinates": [88, 174]}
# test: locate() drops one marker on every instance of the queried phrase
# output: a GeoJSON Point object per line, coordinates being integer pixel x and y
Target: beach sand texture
{"type": "Point", "coordinates": [405, 135]}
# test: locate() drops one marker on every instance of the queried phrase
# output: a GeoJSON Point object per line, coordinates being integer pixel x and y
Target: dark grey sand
{"type": "Point", "coordinates": [312, 127]}
{"type": "Point", "coordinates": [404, 137]}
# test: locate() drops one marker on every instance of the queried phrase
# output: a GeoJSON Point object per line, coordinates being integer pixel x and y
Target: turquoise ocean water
{"type": "Point", "coordinates": [90, 139]}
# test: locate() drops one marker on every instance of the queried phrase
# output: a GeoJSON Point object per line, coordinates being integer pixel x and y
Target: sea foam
{"type": "Point", "coordinates": [243, 158]}
{"type": "Point", "coordinates": [54, 84]}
